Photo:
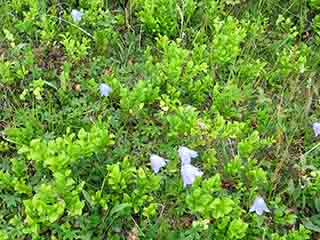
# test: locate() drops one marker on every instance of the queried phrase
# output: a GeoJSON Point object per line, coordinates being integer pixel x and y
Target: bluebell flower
{"type": "Point", "coordinates": [105, 89]}
{"type": "Point", "coordinates": [157, 162]}
{"type": "Point", "coordinates": [76, 15]}
{"type": "Point", "coordinates": [259, 206]}
{"type": "Point", "coordinates": [186, 154]}
{"type": "Point", "coordinates": [189, 174]}
{"type": "Point", "coordinates": [316, 128]}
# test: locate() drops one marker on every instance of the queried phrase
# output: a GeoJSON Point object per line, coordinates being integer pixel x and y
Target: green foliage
{"type": "Point", "coordinates": [159, 16]}
{"type": "Point", "coordinates": [227, 39]}
{"type": "Point", "coordinates": [75, 50]}
{"type": "Point", "coordinates": [6, 72]}
{"type": "Point", "coordinates": [178, 72]}
{"type": "Point", "coordinates": [133, 101]}
{"type": "Point", "coordinates": [315, 4]}
{"type": "Point", "coordinates": [227, 99]}
{"type": "Point", "coordinates": [61, 153]}
{"type": "Point", "coordinates": [234, 80]}
{"type": "Point", "coordinates": [133, 186]}
{"type": "Point", "coordinates": [237, 229]}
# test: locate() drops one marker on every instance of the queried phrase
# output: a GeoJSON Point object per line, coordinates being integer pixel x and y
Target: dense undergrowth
{"type": "Point", "coordinates": [234, 80]}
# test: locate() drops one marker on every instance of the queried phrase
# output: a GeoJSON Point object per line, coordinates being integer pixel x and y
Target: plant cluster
{"type": "Point", "coordinates": [159, 119]}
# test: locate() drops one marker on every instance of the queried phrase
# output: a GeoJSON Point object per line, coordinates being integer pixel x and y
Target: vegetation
{"type": "Point", "coordinates": [97, 99]}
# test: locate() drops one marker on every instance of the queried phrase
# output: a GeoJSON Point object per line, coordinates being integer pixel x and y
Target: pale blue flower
{"type": "Point", "coordinates": [186, 154]}
{"type": "Point", "coordinates": [189, 174]}
{"type": "Point", "coordinates": [157, 162]}
{"type": "Point", "coordinates": [76, 15]}
{"type": "Point", "coordinates": [316, 128]}
{"type": "Point", "coordinates": [105, 89]}
{"type": "Point", "coordinates": [259, 206]}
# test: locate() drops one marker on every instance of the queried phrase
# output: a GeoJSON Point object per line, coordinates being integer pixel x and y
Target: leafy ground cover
{"type": "Point", "coordinates": [159, 119]}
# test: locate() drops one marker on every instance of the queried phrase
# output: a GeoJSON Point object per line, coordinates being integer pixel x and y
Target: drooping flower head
{"type": "Point", "coordinates": [76, 15]}
{"type": "Point", "coordinates": [105, 89]}
{"type": "Point", "coordinates": [157, 162]}
{"type": "Point", "coordinates": [186, 154]}
{"type": "Point", "coordinates": [259, 206]}
{"type": "Point", "coordinates": [316, 128]}
{"type": "Point", "coordinates": [189, 174]}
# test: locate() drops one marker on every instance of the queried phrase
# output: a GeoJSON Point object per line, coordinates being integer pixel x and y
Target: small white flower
{"type": "Point", "coordinates": [189, 174]}
{"type": "Point", "coordinates": [316, 128]}
{"type": "Point", "coordinates": [259, 206]}
{"type": "Point", "coordinates": [186, 154]}
{"type": "Point", "coordinates": [76, 15]}
{"type": "Point", "coordinates": [157, 162]}
{"type": "Point", "coordinates": [105, 89]}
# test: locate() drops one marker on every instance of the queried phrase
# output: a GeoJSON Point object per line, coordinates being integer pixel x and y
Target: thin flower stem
{"type": "Point", "coordinates": [311, 150]}
{"type": "Point", "coordinates": [74, 25]}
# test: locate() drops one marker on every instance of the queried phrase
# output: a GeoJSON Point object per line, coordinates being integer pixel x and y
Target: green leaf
{"type": "Point", "coordinates": [221, 207]}
{"type": "Point", "coordinates": [310, 225]}
{"type": "Point", "coordinates": [237, 229]}
{"type": "Point", "coordinates": [118, 209]}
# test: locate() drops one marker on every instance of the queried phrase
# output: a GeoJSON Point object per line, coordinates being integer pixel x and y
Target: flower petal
{"type": "Point", "coordinates": [316, 128]}
{"type": "Point", "coordinates": [157, 162]}
{"type": "Point", "coordinates": [259, 206]}
{"type": "Point", "coordinates": [186, 154]}
{"type": "Point", "coordinates": [189, 174]}
{"type": "Point", "coordinates": [259, 211]}
{"type": "Point", "coordinates": [76, 15]}
{"type": "Point", "coordinates": [105, 89]}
